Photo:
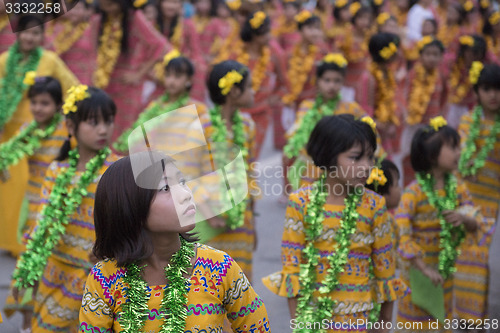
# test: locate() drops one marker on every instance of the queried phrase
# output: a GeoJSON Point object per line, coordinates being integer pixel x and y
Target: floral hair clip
{"type": "Point", "coordinates": [475, 71]}
{"type": "Point", "coordinates": [382, 18]}
{"type": "Point", "coordinates": [378, 2]}
{"type": "Point", "coordinates": [494, 18]}
{"type": "Point", "coordinates": [171, 55]}
{"type": "Point", "coordinates": [257, 19]}
{"type": "Point", "coordinates": [468, 6]}
{"type": "Point", "coordinates": [466, 40]}
{"type": "Point", "coordinates": [227, 82]}
{"type": "Point", "coordinates": [371, 122]}
{"type": "Point", "coordinates": [234, 5]}
{"type": "Point", "coordinates": [303, 16]}
{"type": "Point", "coordinates": [485, 3]}
{"type": "Point", "coordinates": [354, 8]}
{"type": "Point", "coordinates": [437, 122]}
{"type": "Point", "coordinates": [388, 51]}
{"type": "Point", "coordinates": [139, 3]}
{"type": "Point", "coordinates": [426, 40]}
{"type": "Point", "coordinates": [377, 177]}
{"type": "Point", "coordinates": [335, 58]}
{"type": "Point", "coordinates": [75, 94]}
{"type": "Point", "coordinates": [29, 78]}
{"type": "Point", "coordinates": [341, 3]}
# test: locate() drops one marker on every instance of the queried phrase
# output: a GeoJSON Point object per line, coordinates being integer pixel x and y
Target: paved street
{"type": "Point", "coordinates": [267, 257]}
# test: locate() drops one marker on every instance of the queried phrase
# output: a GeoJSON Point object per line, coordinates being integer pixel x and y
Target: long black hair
{"type": "Point", "coordinates": [218, 72]}
{"type": "Point", "coordinates": [127, 10]}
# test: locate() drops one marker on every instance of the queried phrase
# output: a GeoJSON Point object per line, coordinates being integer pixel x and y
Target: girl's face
{"type": "Point", "coordinates": [448, 157]}
{"type": "Point", "coordinates": [345, 15]}
{"type": "Point", "coordinates": [290, 11]}
{"type": "Point", "coordinates": [390, 26]}
{"type": "Point", "coordinates": [245, 99]}
{"type": "Point", "coordinates": [175, 83]}
{"type": "Point", "coordinates": [43, 108]}
{"type": "Point", "coordinates": [353, 166]}
{"type": "Point", "coordinates": [170, 8]}
{"type": "Point", "coordinates": [262, 39]}
{"type": "Point", "coordinates": [173, 208]}
{"type": "Point", "coordinates": [330, 83]}
{"type": "Point", "coordinates": [452, 15]}
{"type": "Point", "coordinates": [392, 198]}
{"type": "Point", "coordinates": [78, 13]}
{"type": "Point", "coordinates": [403, 4]}
{"type": "Point", "coordinates": [110, 7]}
{"type": "Point", "coordinates": [93, 134]}
{"type": "Point", "coordinates": [428, 29]}
{"type": "Point", "coordinates": [30, 39]}
{"type": "Point", "coordinates": [223, 11]}
{"type": "Point", "coordinates": [431, 57]}
{"type": "Point", "coordinates": [363, 21]}
{"type": "Point", "coordinates": [489, 98]}
{"type": "Point", "coordinates": [202, 7]}
{"type": "Point", "coordinates": [312, 33]}
{"type": "Point", "coordinates": [151, 13]}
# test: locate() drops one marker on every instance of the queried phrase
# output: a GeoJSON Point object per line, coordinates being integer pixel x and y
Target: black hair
{"type": "Point", "coordinates": [334, 135]}
{"type": "Point", "coordinates": [487, 26]}
{"type": "Point", "coordinates": [426, 146]}
{"type": "Point", "coordinates": [387, 167]}
{"type": "Point", "coordinates": [180, 65]}
{"type": "Point", "coordinates": [218, 72]}
{"type": "Point", "coordinates": [127, 9]}
{"type": "Point", "coordinates": [121, 210]}
{"type": "Point", "coordinates": [478, 48]}
{"type": "Point", "coordinates": [378, 42]}
{"type": "Point", "coordinates": [29, 21]}
{"type": "Point", "coordinates": [435, 42]}
{"type": "Point", "coordinates": [362, 11]}
{"type": "Point", "coordinates": [337, 10]}
{"type": "Point", "coordinates": [489, 78]}
{"type": "Point", "coordinates": [329, 66]}
{"type": "Point", "coordinates": [376, 8]}
{"type": "Point", "coordinates": [295, 4]}
{"type": "Point", "coordinates": [49, 85]}
{"type": "Point", "coordinates": [247, 32]}
{"type": "Point", "coordinates": [433, 22]}
{"type": "Point", "coordinates": [313, 20]}
{"type": "Point", "coordinates": [462, 14]}
{"type": "Point", "coordinates": [99, 102]}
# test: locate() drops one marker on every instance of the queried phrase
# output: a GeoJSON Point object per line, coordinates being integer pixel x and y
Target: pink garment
{"type": "Point", "coordinates": [7, 38]}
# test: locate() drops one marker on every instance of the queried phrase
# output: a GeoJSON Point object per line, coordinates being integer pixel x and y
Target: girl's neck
{"type": "Point", "coordinates": [359, 32]}
{"type": "Point", "coordinates": [165, 245]}
{"type": "Point", "coordinates": [438, 174]}
{"type": "Point", "coordinates": [337, 191]}
{"type": "Point", "coordinates": [490, 114]}
{"type": "Point", "coordinates": [227, 112]}
{"type": "Point", "coordinates": [85, 156]}
{"type": "Point", "coordinates": [174, 98]}
{"type": "Point", "coordinates": [253, 48]}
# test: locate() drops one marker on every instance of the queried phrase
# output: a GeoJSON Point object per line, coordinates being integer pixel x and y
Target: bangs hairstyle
{"type": "Point", "coordinates": [218, 72]}
{"type": "Point", "coordinates": [247, 32]}
{"type": "Point", "coordinates": [99, 103]}
{"type": "Point", "coordinates": [362, 11]}
{"type": "Point", "coordinates": [49, 85]}
{"type": "Point", "coordinates": [426, 146]}
{"type": "Point", "coordinates": [323, 67]}
{"type": "Point", "coordinates": [121, 211]}
{"type": "Point", "coordinates": [313, 20]}
{"type": "Point", "coordinates": [378, 42]}
{"type": "Point", "coordinates": [489, 78]}
{"type": "Point", "coordinates": [29, 21]}
{"type": "Point", "coordinates": [126, 8]}
{"type": "Point", "coordinates": [338, 10]}
{"type": "Point", "coordinates": [478, 49]}
{"type": "Point", "coordinates": [388, 167]}
{"type": "Point", "coordinates": [334, 135]}
{"type": "Point", "coordinates": [180, 65]}
{"type": "Point", "coordinates": [436, 43]}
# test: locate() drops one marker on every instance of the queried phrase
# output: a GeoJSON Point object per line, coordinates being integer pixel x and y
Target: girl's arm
{"type": "Point", "coordinates": [292, 306]}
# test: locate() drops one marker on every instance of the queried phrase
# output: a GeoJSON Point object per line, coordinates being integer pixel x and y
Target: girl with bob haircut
{"type": "Point", "coordinates": [317, 266]}
{"type": "Point", "coordinates": [433, 217]}
{"type": "Point", "coordinates": [150, 262]}
{"type": "Point", "coordinates": [58, 258]}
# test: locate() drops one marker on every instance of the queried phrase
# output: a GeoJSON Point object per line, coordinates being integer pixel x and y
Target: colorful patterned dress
{"type": "Point", "coordinates": [218, 289]}
{"type": "Point", "coordinates": [371, 243]}
{"type": "Point", "coordinates": [59, 296]}
{"type": "Point", "coordinates": [12, 192]}
{"type": "Point", "coordinates": [418, 229]}
{"type": "Point", "coordinates": [471, 279]}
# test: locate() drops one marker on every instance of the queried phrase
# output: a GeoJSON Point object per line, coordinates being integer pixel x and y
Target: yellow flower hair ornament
{"type": "Point", "coordinates": [370, 122]}
{"type": "Point", "coordinates": [466, 40]}
{"type": "Point", "coordinates": [468, 6]}
{"type": "Point", "coordinates": [382, 18]}
{"type": "Point", "coordinates": [388, 51]}
{"type": "Point", "coordinates": [354, 8]}
{"type": "Point", "coordinates": [437, 122]}
{"type": "Point", "coordinates": [29, 78]}
{"type": "Point", "coordinates": [75, 94]}
{"type": "Point", "coordinates": [426, 40]}
{"type": "Point", "coordinates": [378, 2]}
{"type": "Point", "coordinates": [227, 82]}
{"type": "Point", "coordinates": [494, 18]}
{"type": "Point", "coordinates": [341, 3]}
{"type": "Point", "coordinates": [335, 58]}
{"type": "Point", "coordinates": [139, 3]}
{"type": "Point", "coordinates": [171, 55]}
{"type": "Point", "coordinates": [377, 176]}
{"type": "Point", "coordinates": [257, 19]}
{"type": "Point", "coordinates": [485, 3]}
{"type": "Point", "coordinates": [303, 16]}
{"type": "Point", "coordinates": [475, 71]}
{"type": "Point", "coordinates": [234, 5]}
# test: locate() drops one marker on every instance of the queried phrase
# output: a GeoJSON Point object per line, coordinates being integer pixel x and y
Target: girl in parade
{"type": "Point", "coordinates": [58, 258]}
{"type": "Point", "coordinates": [178, 80]}
{"type": "Point", "coordinates": [433, 217]}
{"type": "Point", "coordinates": [480, 167]}
{"type": "Point", "coordinates": [285, 28]}
{"type": "Point", "coordinates": [40, 141]}
{"type": "Point", "coordinates": [399, 9]}
{"type": "Point", "coordinates": [25, 55]}
{"type": "Point", "coordinates": [450, 28]}
{"type": "Point", "coordinates": [349, 276]}
{"type": "Point", "coordinates": [128, 48]}
{"type": "Point", "coordinates": [151, 264]}
{"type": "Point", "coordinates": [491, 32]}
{"type": "Point", "coordinates": [208, 27]}
{"type": "Point", "coordinates": [341, 22]}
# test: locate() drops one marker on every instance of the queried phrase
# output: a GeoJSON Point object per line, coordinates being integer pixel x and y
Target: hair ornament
{"type": "Point", "coordinates": [303, 16]}
{"type": "Point", "coordinates": [426, 40]}
{"type": "Point", "coordinates": [227, 82]}
{"type": "Point", "coordinates": [354, 8]}
{"type": "Point", "coordinates": [388, 51]}
{"type": "Point", "coordinates": [437, 122]}
{"type": "Point", "coordinates": [171, 55]}
{"type": "Point", "coordinates": [468, 5]}
{"type": "Point", "coordinates": [466, 40]}
{"type": "Point", "coordinates": [382, 18]}
{"type": "Point", "coordinates": [335, 58]}
{"type": "Point", "coordinates": [485, 4]}
{"type": "Point", "coordinates": [75, 94]}
{"type": "Point", "coordinates": [494, 18]}
{"type": "Point", "coordinates": [234, 5]}
{"type": "Point", "coordinates": [378, 2]}
{"type": "Point", "coordinates": [475, 71]}
{"type": "Point", "coordinates": [29, 78]}
{"type": "Point", "coordinates": [341, 3]}
{"type": "Point", "coordinates": [257, 19]}
{"type": "Point", "coordinates": [371, 122]}
{"type": "Point", "coordinates": [377, 176]}
{"type": "Point", "coordinates": [139, 3]}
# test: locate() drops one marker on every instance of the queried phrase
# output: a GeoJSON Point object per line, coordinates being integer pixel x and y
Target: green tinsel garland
{"type": "Point", "coordinates": [173, 305]}
{"type": "Point", "coordinates": [450, 237]}
{"type": "Point", "coordinates": [234, 217]}
{"type": "Point", "coordinates": [156, 109]}
{"type": "Point", "coordinates": [11, 85]}
{"type": "Point", "coordinates": [470, 145]}
{"type": "Point", "coordinates": [55, 216]}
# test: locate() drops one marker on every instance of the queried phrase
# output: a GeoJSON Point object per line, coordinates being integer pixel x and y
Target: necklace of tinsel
{"type": "Point", "coordinates": [311, 118]}
{"type": "Point", "coordinates": [235, 216]}
{"type": "Point", "coordinates": [11, 85]}
{"type": "Point", "coordinates": [307, 311]}
{"type": "Point", "coordinates": [470, 145]}
{"type": "Point", "coordinates": [154, 110]}
{"type": "Point", "coordinates": [55, 216]}
{"type": "Point", "coordinates": [26, 142]}
{"type": "Point", "coordinates": [450, 237]}
{"type": "Point", "coordinates": [135, 312]}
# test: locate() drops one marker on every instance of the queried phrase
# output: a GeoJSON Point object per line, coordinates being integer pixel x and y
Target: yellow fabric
{"type": "Point", "coordinates": [372, 242]}
{"type": "Point", "coordinates": [12, 192]}
{"type": "Point", "coordinates": [218, 289]}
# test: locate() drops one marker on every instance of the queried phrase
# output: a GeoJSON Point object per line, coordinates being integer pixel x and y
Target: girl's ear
{"type": "Point", "coordinates": [70, 125]}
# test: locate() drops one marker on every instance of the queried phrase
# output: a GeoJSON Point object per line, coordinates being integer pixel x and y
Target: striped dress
{"type": "Point", "coordinates": [471, 279]}
{"type": "Point", "coordinates": [59, 296]}
{"type": "Point", "coordinates": [217, 289]}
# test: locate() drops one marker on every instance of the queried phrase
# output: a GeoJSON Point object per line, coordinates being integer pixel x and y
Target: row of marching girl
{"type": "Point", "coordinates": [40, 141]}
{"type": "Point", "coordinates": [58, 254]}
{"type": "Point", "coordinates": [338, 262]}
{"type": "Point", "coordinates": [24, 56]}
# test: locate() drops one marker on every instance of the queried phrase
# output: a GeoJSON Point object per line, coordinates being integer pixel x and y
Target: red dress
{"type": "Point", "coordinates": [7, 37]}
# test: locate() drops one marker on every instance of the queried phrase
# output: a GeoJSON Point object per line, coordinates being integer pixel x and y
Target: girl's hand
{"type": "Point", "coordinates": [453, 218]}
{"type": "Point", "coordinates": [434, 275]}
{"type": "Point", "coordinates": [216, 222]}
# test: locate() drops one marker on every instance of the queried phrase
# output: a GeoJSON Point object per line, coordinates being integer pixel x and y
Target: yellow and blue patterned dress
{"type": "Point", "coordinates": [218, 289]}
{"type": "Point", "coordinates": [372, 243]}
{"type": "Point", "coordinates": [59, 296]}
